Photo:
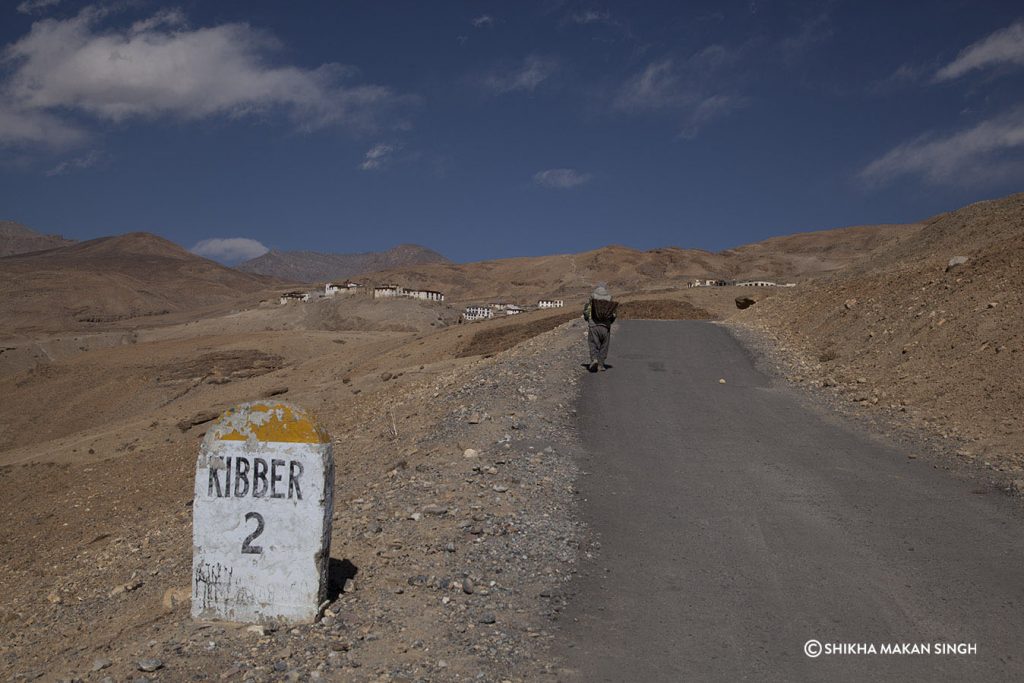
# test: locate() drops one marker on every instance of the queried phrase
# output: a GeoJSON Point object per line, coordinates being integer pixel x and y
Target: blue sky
{"type": "Point", "coordinates": [495, 129]}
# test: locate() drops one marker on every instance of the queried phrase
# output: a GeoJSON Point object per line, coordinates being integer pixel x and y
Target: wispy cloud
{"type": "Point", "coordinates": [904, 75]}
{"type": "Point", "coordinates": [160, 67]}
{"type": "Point", "coordinates": [378, 157]}
{"type": "Point", "coordinates": [482, 21]}
{"type": "Point", "coordinates": [966, 157]}
{"type": "Point", "coordinates": [591, 16]}
{"type": "Point", "coordinates": [230, 249]}
{"type": "Point", "coordinates": [1004, 47]}
{"type": "Point", "coordinates": [561, 178]}
{"type": "Point", "coordinates": [33, 6]}
{"type": "Point", "coordinates": [77, 164]}
{"type": "Point", "coordinates": [533, 71]}
{"type": "Point", "coordinates": [692, 89]}
{"type": "Point", "coordinates": [813, 31]}
{"type": "Point", "coordinates": [18, 127]}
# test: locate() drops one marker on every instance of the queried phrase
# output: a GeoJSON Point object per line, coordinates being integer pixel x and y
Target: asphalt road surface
{"type": "Point", "coordinates": [736, 524]}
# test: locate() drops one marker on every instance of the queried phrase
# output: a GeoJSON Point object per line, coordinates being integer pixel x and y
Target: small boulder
{"type": "Point", "coordinates": [173, 597]}
{"type": "Point", "coordinates": [150, 665]}
{"type": "Point", "coordinates": [743, 302]}
{"type": "Point", "coordinates": [956, 262]}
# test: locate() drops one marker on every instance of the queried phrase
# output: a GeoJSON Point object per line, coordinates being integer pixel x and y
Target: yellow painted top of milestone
{"type": "Point", "coordinates": [268, 422]}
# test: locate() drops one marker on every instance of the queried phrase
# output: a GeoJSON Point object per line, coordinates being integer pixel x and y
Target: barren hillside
{"type": "Point", "coordinates": [111, 279]}
{"type": "Point", "coordinates": [523, 280]}
{"type": "Point", "coordinates": [904, 332]}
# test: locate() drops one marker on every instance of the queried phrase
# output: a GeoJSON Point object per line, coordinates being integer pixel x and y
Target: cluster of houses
{"type": "Point", "coordinates": [333, 289]}
{"type": "Point", "coordinates": [480, 312]}
{"type": "Point", "coordinates": [393, 291]}
{"type": "Point", "coordinates": [736, 283]}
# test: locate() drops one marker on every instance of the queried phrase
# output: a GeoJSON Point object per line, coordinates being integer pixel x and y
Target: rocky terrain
{"type": "Point", "coordinates": [315, 266]}
{"type": "Point", "coordinates": [455, 536]}
{"type": "Point", "coordinates": [928, 331]}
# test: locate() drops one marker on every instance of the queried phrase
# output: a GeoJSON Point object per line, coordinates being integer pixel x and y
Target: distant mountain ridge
{"type": "Point", "coordinates": [624, 269]}
{"type": "Point", "coordinates": [15, 238]}
{"type": "Point", "coordinates": [112, 279]}
{"type": "Point", "coordinates": [314, 266]}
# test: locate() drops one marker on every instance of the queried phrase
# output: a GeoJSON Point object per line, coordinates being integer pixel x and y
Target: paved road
{"type": "Point", "coordinates": [736, 525]}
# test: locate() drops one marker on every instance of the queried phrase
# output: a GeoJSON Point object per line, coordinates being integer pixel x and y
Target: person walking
{"type": "Point", "coordinates": [599, 314]}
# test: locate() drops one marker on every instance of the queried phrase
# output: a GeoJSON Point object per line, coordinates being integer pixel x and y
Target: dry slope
{"type": "Point", "coordinates": [113, 278]}
{"type": "Point", "coordinates": [523, 280]}
{"type": "Point", "coordinates": [904, 332]}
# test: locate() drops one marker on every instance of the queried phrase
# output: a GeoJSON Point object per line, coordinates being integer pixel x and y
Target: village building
{"type": "Point", "coordinates": [478, 313]}
{"type": "Point", "coordinates": [332, 288]}
{"type": "Point", "coordinates": [512, 309]}
{"type": "Point", "coordinates": [393, 291]}
{"type": "Point", "coordinates": [424, 294]}
{"type": "Point", "coordinates": [387, 291]}
{"type": "Point", "coordinates": [756, 283]}
{"type": "Point", "coordinates": [290, 297]}
{"type": "Point", "coordinates": [550, 303]}
{"type": "Point", "coordinates": [708, 283]}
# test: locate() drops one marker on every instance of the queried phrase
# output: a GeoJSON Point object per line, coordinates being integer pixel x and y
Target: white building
{"type": "Point", "coordinates": [756, 283]}
{"type": "Point", "coordinates": [424, 294]}
{"type": "Point", "coordinates": [289, 297]}
{"type": "Point", "coordinates": [512, 309]}
{"type": "Point", "coordinates": [387, 291]}
{"type": "Point", "coordinates": [478, 313]}
{"type": "Point", "coordinates": [392, 291]}
{"type": "Point", "coordinates": [550, 303]}
{"type": "Point", "coordinates": [332, 288]}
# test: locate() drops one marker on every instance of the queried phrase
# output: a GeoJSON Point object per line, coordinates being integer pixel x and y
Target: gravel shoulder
{"type": "Point", "coordinates": [454, 533]}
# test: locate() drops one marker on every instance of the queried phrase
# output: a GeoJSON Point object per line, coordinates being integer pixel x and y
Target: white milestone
{"type": "Point", "coordinates": [261, 517]}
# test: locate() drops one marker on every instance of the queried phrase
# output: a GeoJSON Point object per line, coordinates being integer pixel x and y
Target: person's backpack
{"type": "Point", "coordinates": [603, 312]}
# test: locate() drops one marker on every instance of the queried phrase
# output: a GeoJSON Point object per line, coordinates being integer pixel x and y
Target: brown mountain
{"type": "Point", "coordinates": [313, 266]}
{"type": "Point", "coordinates": [624, 269]}
{"type": "Point", "coordinates": [15, 238]}
{"type": "Point", "coordinates": [905, 331]}
{"type": "Point", "coordinates": [113, 279]}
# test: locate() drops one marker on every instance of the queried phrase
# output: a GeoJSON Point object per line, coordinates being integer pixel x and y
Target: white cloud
{"type": "Point", "coordinates": [33, 6]}
{"type": "Point", "coordinates": [561, 178]}
{"type": "Point", "coordinates": [78, 163]}
{"type": "Point", "coordinates": [692, 89]}
{"type": "Point", "coordinates": [229, 249]}
{"type": "Point", "coordinates": [534, 70]}
{"type": "Point", "coordinates": [966, 157]}
{"type": "Point", "coordinates": [378, 156]}
{"type": "Point", "coordinates": [18, 127]}
{"type": "Point", "coordinates": [1005, 46]}
{"type": "Point", "coordinates": [482, 21]}
{"type": "Point", "coordinates": [159, 67]}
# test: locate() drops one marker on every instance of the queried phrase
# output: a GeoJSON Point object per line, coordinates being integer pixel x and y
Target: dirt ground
{"type": "Point", "coordinates": [457, 558]}
{"type": "Point", "coordinates": [907, 336]}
